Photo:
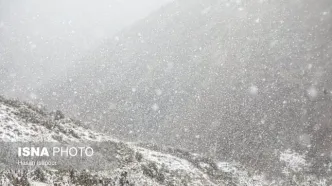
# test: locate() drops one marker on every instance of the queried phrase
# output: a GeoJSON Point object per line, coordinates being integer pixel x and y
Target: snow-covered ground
{"type": "Point", "coordinates": [14, 128]}
{"type": "Point", "coordinates": [134, 163]}
{"type": "Point", "coordinates": [21, 123]}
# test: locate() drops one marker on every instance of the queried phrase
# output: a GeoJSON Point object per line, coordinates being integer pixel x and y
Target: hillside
{"type": "Point", "coordinates": [237, 80]}
{"type": "Point", "coordinates": [121, 163]}
{"type": "Point", "coordinates": [22, 122]}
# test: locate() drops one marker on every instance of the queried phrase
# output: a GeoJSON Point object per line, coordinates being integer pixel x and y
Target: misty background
{"type": "Point", "coordinates": [40, 40]}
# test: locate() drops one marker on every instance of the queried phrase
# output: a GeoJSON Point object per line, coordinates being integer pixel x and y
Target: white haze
{"type": "Point", "coordinates": [39, 39]}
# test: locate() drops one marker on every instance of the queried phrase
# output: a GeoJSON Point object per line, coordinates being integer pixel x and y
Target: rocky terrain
{"type": "Point", "coordinates": [22, 122]}
{"type": "Point", "coordinates": [122, 163]}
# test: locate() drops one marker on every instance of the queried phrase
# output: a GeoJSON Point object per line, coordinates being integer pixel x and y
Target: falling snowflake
{"type": "Point", "coordinates": [325, 13]}
{"type": "Point", "coordinates": [312, 92]}
{"type": "Point", "coordinates": [263, 120]}
{"type": "Point", "coordinates": [33, 96]}
{"type": "Point", "coordinates": [155, 107]}
{"type": "Point", "coordinates": [253, 90]}
{"type": "Point", "coordinates": [158, 92]}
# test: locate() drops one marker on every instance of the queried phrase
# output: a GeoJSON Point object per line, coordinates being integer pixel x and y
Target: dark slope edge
{"type": "Point", "coordinates": [236, 79]}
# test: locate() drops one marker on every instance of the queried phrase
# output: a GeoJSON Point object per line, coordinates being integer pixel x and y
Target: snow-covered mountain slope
{"type": "Point", "coordinates": [22, 122]}
{"type": "Point", "coordinates": [129, 163]}
{"type": "Point", "coordinates": [230, 78]}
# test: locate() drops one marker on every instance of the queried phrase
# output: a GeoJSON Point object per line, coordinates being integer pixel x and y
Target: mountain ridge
{"type": "Point", "coordinates": [129, 164]}
{"type": "Point", "coordinates": [234, 79]}
{"type": "Point", "coordinates": [23, 122]}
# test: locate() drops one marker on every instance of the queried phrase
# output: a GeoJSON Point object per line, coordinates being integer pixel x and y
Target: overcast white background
{"type": "Point", "coordinates": [41, 38]}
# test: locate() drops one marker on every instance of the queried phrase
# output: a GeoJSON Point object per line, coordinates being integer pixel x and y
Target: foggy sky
{"type": "Point", "coordinates": [39, 39]}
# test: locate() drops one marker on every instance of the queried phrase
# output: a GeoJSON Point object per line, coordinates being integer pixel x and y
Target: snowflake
{"type": "Point", "coordinates": [158, 92]}
{"type": "Point", "coordinates": [312, 92]}
{"type": "Point", "coordinates": [155, 107]}
{"type": "Point", "coordinates": [253, 90]}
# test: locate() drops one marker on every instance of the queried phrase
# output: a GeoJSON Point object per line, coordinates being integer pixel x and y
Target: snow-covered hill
{"type": "Point", "coordinates": [131, 163]}
{"type": "Point", "coordinates": [136, 165]}
{"type": "Point", "coordinates": [22, 122]}
{"type": "Point", "coordinates": [229, 78]}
